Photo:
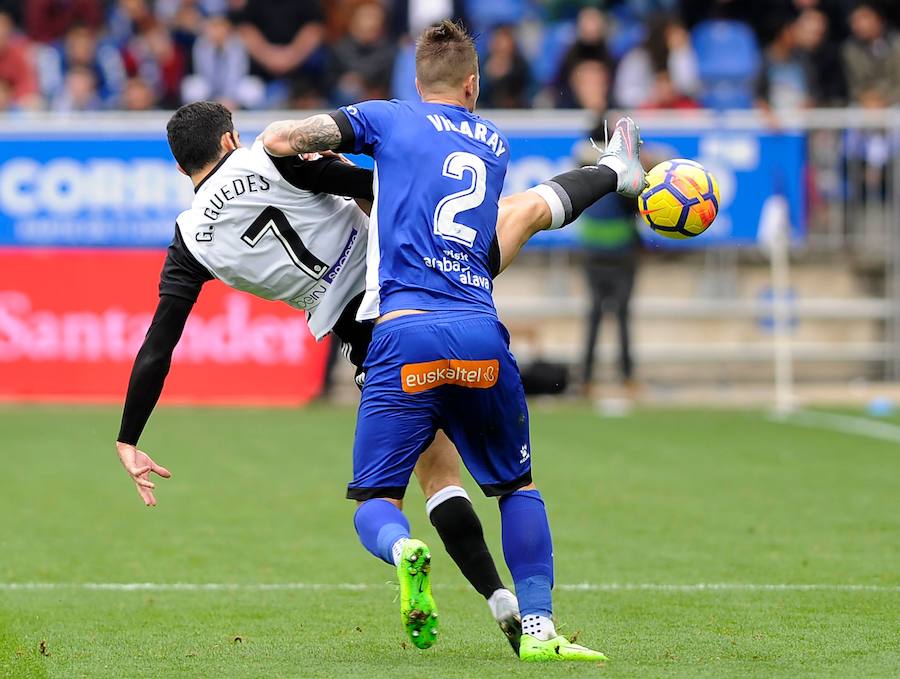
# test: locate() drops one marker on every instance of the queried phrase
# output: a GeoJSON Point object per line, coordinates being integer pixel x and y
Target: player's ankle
{"type": "Point", "coordinates": [397, 550]}
{"type": "Point", "coordinates": [538, 626]}
{"type": "Point", "coordinates": [502, 603]}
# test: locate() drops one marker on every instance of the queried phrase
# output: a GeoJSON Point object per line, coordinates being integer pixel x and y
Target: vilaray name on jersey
{"type": "Point", "coordinates": [444, 124]}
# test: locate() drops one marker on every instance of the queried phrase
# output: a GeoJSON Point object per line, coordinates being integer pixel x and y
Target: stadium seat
{"type": "Point", "coordinates": [729, 59]}
{"type": "Point", "coordinates": [627, 32]}
{"type": "Point", "coordinates": [485, 15]}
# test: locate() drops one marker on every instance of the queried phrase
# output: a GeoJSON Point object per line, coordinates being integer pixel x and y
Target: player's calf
{"type": "Point", "coordinates": [384, 531]}
{"type": "Point", "coordinates": [528, 548]}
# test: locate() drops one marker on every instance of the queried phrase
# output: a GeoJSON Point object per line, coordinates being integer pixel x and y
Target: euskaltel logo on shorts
{"type": "Point", "coordinates": [417, 377]}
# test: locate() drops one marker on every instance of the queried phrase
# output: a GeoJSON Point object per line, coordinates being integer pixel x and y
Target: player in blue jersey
{"type": "Point", "coordinates": [439, 357]}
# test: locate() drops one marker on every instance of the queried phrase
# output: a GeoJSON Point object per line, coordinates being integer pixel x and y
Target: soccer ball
{"type": "Point", "coordinates": [681, 199]}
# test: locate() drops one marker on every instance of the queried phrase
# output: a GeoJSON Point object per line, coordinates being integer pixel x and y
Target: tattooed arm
{"type": "Point", "coordinates": [290, 137]}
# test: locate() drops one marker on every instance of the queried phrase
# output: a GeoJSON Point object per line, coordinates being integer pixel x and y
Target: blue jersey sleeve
{"type": "Point", "coordinates": [372, 123]}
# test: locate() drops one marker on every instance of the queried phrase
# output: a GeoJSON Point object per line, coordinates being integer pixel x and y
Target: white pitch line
{"type": "Point", "coordinates": [846, 424]}
{"type": "Point", "coordinates": [353, 587]}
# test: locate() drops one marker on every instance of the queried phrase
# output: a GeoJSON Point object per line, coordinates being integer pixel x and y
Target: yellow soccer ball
{"type": "Point", "coordinates": [681, 199]}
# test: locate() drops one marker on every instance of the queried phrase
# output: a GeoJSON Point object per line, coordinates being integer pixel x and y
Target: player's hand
{"type": "Point", "coordinates": [139, 465]}
{"type": "Point", "coordinates": [334, 154]}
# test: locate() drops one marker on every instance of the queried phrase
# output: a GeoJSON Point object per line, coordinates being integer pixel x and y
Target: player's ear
{"type": "Point", "coordinates": [418, 87]}
{"type": "Point", "coordinates": [228, 142]}
{"type": "Point", "coordinates": [181, 170]}
{"type": "Point", "coordinates": [471, 88]}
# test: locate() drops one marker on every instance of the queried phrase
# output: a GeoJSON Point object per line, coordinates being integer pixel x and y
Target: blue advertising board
{"type": "Point", "coordinates": [123, 190]}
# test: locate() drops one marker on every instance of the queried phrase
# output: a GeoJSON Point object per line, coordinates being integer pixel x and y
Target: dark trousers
{"type": "Point", "coordinates": [610, 283]}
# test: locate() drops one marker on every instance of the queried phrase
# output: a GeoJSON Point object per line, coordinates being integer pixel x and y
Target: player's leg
{"type": "Point", "coordinates": [624, 285]}
{"type": "Point", "coordinates": [451, 513]}
{"type": "Point", "coordinates": [595, 316]}
{"type": "Point", "coordinates": [561, 200]}
{"type": "Point", "coordinates": [393, 428]}
{"type": "Point", "coordinates": [489, 426]}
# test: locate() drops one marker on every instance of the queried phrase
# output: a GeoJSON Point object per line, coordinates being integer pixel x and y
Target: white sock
{"type": "Point", "coordinates": [397, 550]}
{"type": "Point", "coordinates": [538, 626]}
{"type": "Point", "coordinates": [503, 605]}
{"type": "Point", "coordinates": [615, 164]}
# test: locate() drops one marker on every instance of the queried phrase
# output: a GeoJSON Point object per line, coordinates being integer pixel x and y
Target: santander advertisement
{"type": "Point", "coordinates": [71, 322]}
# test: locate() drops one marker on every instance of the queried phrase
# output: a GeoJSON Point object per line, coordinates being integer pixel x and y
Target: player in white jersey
{"type": "Point", "coordinates": [268, 226]}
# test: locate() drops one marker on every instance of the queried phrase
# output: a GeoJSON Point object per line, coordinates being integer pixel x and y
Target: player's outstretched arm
{"type": "Point", "coordinates": [313, 134]}
{"type": "Point", "coordinates": [139, 465]}
{"type": "Point", "coordinates": [148, 375]}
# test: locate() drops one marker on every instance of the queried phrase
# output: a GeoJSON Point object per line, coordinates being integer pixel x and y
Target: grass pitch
{"type": "Point", "coordinates": [655, 499]}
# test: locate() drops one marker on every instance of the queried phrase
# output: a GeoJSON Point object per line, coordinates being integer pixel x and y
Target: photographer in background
{"type": "Point", "coordinates": [610, 246]}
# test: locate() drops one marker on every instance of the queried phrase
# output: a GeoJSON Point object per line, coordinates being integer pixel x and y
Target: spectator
{"type": "Point", "coordinates": [138, 96]}
{"type": "Point", "coordinates": [823, 57]}
{"type": "Point", "coordinates": [81, 48]}
{"type": "Point", "coordinates": [152, 55]}
{"type": "Point", "coordinates": [362, 61]}
{"type": "Point", "coordinates": [589, 46]}
{"type": "Point", "coordinates": [283, 37]}
{"type": "Point", "coordinates": [588, 86]}
{"type": "Point", "coordinates": [16, 67]}
{"type": "Point", "coordinates": [6, 96]}
{"type": "Point", "coordinates": [872, 59]}
{"type": "Point", "coordinates": [187, 22]}
{"type": "Point", "coordinates": [129, 18]}
{"type": "Point", "coordinates": [14, 9]}
{"type": "Point", "coordinates": [305, 95]}
{"type": "Point", "coordinates": [222, 69]}
{"type": "Point", "coordinates": [411, 17]}
{"type": "Point", "coordinates": [79, 92]}
{"type": "Point", "coordinates": [48, 20]}
{"type": "Point", "coordinates": [505, 76]}
{"type": "Point", "coordinates": [785, 78]}
{"type": "Point", "coordinates": [666, 52]}
{"type": "Point", "coordinates": [666, 96]}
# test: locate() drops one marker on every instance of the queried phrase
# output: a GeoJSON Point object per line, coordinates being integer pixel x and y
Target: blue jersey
{"type": "Point", "coordinates": [439, 170]}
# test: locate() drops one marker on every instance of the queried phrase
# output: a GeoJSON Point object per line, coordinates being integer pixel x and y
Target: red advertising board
{"type": "Point", "coordinates": [71, 322]}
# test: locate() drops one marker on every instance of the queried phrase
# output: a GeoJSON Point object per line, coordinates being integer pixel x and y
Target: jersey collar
{"type": "Point", "coordinates": [213, 171]}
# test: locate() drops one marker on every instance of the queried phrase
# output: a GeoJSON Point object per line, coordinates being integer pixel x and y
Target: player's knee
{"type": "Point", "coordinates": [530, 486]}
{"type": "Point", "coordinates": [397, 503]}
{"type": "Point", "coordinates": [442, 494]}
{"type": "Point", "coordinates": [433, 484]}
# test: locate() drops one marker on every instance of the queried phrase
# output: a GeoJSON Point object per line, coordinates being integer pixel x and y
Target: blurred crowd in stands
{"type": "Point", "coordinates": [88, 55]}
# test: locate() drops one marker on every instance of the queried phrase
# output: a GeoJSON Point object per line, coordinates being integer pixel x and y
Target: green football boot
{"type": "Point", "coordinates": [533, 649]}
{"type": "Point", "coordinates": [417, 610]}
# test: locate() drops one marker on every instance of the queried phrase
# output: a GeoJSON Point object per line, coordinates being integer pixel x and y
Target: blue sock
{"type": "Point", "coordinates": [528, 550]}
{"type": "Point", "coordinates": [379, 525]}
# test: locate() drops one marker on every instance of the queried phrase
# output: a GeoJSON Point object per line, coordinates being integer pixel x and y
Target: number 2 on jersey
{"type": "Point", "coordinates": [274, 220]}
{"type": "Point", "coordinates": [445, 225]}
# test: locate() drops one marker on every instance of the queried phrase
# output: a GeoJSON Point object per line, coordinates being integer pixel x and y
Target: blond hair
{"type": "Point", "coordinates": [445, 56]}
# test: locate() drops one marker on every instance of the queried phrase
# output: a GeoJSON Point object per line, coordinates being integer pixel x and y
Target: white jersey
{"type": "Point", "coordinates": [255, 231]}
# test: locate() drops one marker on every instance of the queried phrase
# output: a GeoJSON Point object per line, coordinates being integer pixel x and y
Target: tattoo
{"type": "Point", "coordinates": [318, 133]}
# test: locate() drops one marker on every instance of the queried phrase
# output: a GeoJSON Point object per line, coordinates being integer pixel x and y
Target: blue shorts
{"type": "Point", "coordinates": [440, 370]}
